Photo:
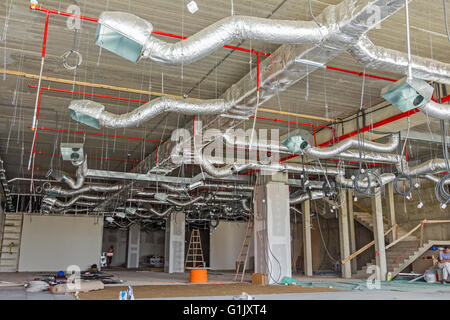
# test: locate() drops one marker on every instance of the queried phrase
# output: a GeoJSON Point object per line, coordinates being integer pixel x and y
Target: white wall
{"type": "Point", "coordinates": [225, 245]}
{"type": "Point", "coordinates": [52, 243]}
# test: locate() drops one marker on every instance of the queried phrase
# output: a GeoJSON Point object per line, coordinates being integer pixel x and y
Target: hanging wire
{"type": "Point", "coordinates": [445, 19]}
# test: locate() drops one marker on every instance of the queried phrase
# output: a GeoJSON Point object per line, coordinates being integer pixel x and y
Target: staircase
{"type": "Point", "coordinates": [9, 254]}
{"type": "Point", "coordinates": [401, 256]}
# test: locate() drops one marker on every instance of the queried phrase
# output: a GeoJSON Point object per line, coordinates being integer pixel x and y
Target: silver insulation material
{"type": "Point", "coordinates": [346, 23]}
{"type": "Point", "coordinates": [204, 185]}
{"type": "Point", "coordinates": [306, 196]}
{"type": "Point", "coordinates": [436, 110]}
{"type": "Point", "coordinates": [148, 110]}
{"type": "Point", "coordinates": [433, 165]}
{"type": "Point", "coordinates": [80, 174]}
{"type": "Point", "coordinates": [342, 181]}
{"type": "Point", "coordinates": [353, 143]}
{"type": "Point", "coordinates": [189, 202]}
{"type": "Point", "coordinates": [228, 29]}
{"type": "Point", "coordinates": [60, 192]}
{"type": "Point", "coordinates": [53, 202]}
{"type": "Point", "coordinates": [235, 168]}
{"type": "Point", "coordinates": [369, 156]}
{"type": "Point", "coordinates": [435, 179]}
{"type": "Point", "coordinates": [380, 58]}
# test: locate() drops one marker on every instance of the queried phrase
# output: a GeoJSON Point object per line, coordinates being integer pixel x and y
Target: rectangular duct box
{"type": "Point", "coordinates": [123, 34]}
{"type": "Point", "coordinates": [72, 151]}
{"type": "Point", "coordinates": [407, 94]}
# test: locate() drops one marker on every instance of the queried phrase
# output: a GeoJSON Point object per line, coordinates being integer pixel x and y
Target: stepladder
{"type": "Point", "coordinates": [241, 261]}
{"type": "Point", "coordinates": [194, 257]}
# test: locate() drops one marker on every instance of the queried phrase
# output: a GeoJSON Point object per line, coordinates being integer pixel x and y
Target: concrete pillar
{"type": "Point", "coordinates": [134, 240]}
{"type": "Point", "coordinates": [351, 228]}
{"type": "Point", "coordinates": [378, 234]}
{"type": "Point", "coordinates": [390, 206]}
{"type": "Point", "coordinates": [344, 234]}
{"type": "Point", "coordinates": [307, 244]}
{"type": "Point", "coordinates": [272, 232]}
{"type": "Point", "coordinates": [175, 243]}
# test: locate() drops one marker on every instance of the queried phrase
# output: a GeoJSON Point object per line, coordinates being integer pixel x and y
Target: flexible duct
{"type": "Point", "coordinates": [160, 214]}
{"type": "Point", "coordinates": [436, 179]}
{"type": "Point", "coordinates": [245, 205]}
{"type": "Point", "coordinates": [385, 178]}
{"type": "Point", "coordinates": [353, 143]}
{"type": "Point", "coordinates": [314, 195]}
{"type": "Point", "coordinates": [60, 192]}
{"type": "Point", "coordinates": [436, 110]}
{"type": "Point", "coordinates": [187, 203]}
{"type": "Point", "coordinates": [433, 165]}
{"type": "Point", "coordinates": [53, 202]}
{"type": "Point", "coordinates": [235, 168]}
{"type": "Point", "coordinates": [94, 114]}
{"type": "Point", "coordinates": [62, 177]}
{"type": "Point", "coordinates": [380, 58]}
{"type": "Point", "coordinates": [228, 29]}
{"type": "Point", "coordinates": [201, 184]}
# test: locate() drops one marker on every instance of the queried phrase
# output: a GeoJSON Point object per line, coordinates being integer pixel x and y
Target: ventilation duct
{"type": "Point", "coordinates": [60, 192]}
{"type": "Point", "coordinates": [385, 178]}
{"type": "Point", "coordinates": [235, 168]}
{"type": "Point", "coordinates": [187, 203]}
{"type": "Point", "coordinates": [314, 195]}
{"type": "Point", "coordinates": [436, 110]}
{"type": "Point", "coordinates": [344, 145]}
{"type": "Point", "coordinates": [436, 179]}
{"type": "Point", "coordinates": [380, 58]}
{"type": "Point", "coordinates": [131, 37]}
{"type": "Point", "coordinates": [433, 165]}
{"type": "Point", "coordinates": [62, 177]}
{"type": "Point", "coordinates": [93, 114]}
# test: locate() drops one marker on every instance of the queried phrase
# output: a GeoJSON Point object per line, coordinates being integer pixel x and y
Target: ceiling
{"type": "Point", "coordinates": [120, 150]}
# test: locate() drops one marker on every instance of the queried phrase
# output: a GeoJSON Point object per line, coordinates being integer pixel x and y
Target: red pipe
{"type": "Point", "coordinates": [293, 122]}
{"type": "Point", "coordinates": [98, 134]}
{"type": "Point", "coordinates": [360, 73]}
{"type": "Point", "coordinates": [257, 72]}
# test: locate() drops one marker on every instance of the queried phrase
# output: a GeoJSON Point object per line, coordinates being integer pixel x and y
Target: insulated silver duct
{"type": "Point", "coordinates": [60, 192]}
{"type": "Point", "coordinates": [204, 185]}
{"type": "Point", "coordinates": [62, 177]}
{"type": "Point", "coordinates": [436, 110]}
{"type": "Point", "coordinates": [433, 165]}
{"type": "Point", "coordinates": [53, 202]}
{"type": "Point", "coordinates": [436, 179]}
{"type": "Point", "coordinates": [353, 143]}
{"type": "Point", "coordinates": [369, 156]}
{"type": "Point", "coordinates": [94, 114]}
{"type": "Point", "coordinates": [235, 168]}
{"type": "Point", "coordinates": [228, 29]}
{"type": "Point", "coordinates": [380, 58]}
{"type": "Point", "coordinates": [306, 196]}
{"type": "Point", "coordinates": [245, 205]}
{"type": "Point", "coordinates": [342, 181]}
{"type": "Point", "coordinates": [187, 203]}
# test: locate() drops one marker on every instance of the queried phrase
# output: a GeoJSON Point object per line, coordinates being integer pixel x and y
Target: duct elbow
{"type": "Point", "coordinates": [436, 110]}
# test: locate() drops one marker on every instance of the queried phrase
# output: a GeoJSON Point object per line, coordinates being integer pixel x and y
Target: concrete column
{"type": "Point", "coordinates": [134, 240]}
{"type": "Point", "coordinates": [175, 243]}
{"type": "Point", "coordinates": [378, 234]}
{"type": "Point", "coordinates": [307, 248]}
{"type": "Point", "coordinates": [351, 228]}
{"type": "Point", "coordinates": [390, 206]}
{"type": "Point", "coordinates": [344, 234]}
{"type": "Point", "coordinates": [272, 232]}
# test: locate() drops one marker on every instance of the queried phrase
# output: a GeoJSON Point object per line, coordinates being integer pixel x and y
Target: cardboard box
{"type": "Point", "coordinates": [422, 265]}
{"type": "Point", "coordinates": [259, 279]}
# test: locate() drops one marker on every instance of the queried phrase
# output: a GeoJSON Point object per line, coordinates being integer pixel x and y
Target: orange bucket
{"type": "Point", "coordinates": [199, 275]}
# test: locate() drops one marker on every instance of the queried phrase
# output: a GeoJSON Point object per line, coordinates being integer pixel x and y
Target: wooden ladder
{"type": "Point", "coordinates": [245, 249]}
{"type": "Point", "coordinates": [195, 252]}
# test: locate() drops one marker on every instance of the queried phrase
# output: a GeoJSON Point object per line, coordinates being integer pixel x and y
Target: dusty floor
{"type": "Point", "coordinates": [195, 290]}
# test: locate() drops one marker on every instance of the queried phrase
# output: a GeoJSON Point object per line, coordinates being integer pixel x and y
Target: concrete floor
{"type": "Point", "coordinates": [136, 278]}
